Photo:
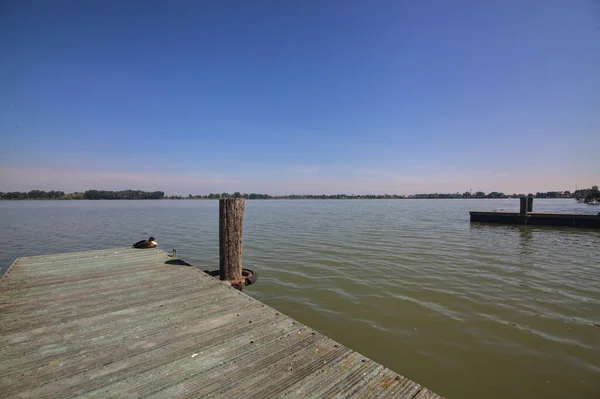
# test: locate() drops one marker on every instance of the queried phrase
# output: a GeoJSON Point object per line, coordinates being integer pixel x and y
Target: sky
{"type": "Point", "coordinates": [312, 97]}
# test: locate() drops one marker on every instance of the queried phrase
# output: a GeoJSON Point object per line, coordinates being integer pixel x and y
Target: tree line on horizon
{"type": "Point", "coordinates": [478, 194]}
{"type": "Point", "coordinates": [588, 195]}
{"type": "Point", "coordinates": [585, 195]}
{"type": "Point", "coordinates": [87, 195]}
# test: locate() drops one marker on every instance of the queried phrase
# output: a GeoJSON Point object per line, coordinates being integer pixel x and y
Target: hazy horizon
{"type": "Point", "coordinates": [279, 98]}
{"type": "Point", "coordinates": [149, 183]}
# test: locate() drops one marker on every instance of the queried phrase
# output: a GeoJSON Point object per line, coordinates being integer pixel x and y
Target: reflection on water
{"type": "Point", "coordinates": [526, 234]}
{"type": "Point", "coordinates": [469, 310]}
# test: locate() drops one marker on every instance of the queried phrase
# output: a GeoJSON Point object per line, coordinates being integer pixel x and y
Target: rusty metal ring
{"type": "Point", "coordinates": [249, 277]}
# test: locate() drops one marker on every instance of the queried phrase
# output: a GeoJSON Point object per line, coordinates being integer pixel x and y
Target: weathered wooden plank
{"type": "Point", "coordinates": [52, 263]}
{"type": "Point", "coordinates": [388, 384]}
{"type": "Point", "coordinates": [206, 366]}
{"type": "Point", "coordinates": [129, 359]}
{"type": "Point", "coordinates": [102, 290]}
{"type": "Point", "coordinates": [133, 314]}
{"type": "Point", "coordinates": [290, 368]}
{"type": "Point", "coordinates": [328, 377]}
{"type": "Point", "coordinates": [104, 336]}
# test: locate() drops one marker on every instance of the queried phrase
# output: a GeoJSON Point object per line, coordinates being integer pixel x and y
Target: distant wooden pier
{"type": "Point", "coordinates": [526, 216]}
{"type": "Point", "coordinates": [130, 323]}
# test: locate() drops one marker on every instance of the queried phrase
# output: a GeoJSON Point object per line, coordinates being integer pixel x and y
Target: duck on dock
{"type": "Point", "coordinates": [149, 243]}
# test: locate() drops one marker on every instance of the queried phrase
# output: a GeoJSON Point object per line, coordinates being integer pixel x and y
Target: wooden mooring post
{"type": "Point", "coordinates": [523, 209]}
{"type": "Point", "coordinates": [231, 219]}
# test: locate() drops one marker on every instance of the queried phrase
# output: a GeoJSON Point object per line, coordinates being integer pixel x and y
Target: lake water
{"type": "Point", "coordinates": [468, 310]}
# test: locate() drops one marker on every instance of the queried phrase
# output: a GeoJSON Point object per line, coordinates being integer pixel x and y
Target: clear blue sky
{"type": "Point", "coordinates": [300, 96]}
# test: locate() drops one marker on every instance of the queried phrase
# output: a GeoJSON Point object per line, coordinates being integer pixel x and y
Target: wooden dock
{"type": "Point", "coordinates": [537, 219]}
{"type": "Point", "coordinates": [527, 217]}
{"type": "Point", "coordinates": [138, 323]}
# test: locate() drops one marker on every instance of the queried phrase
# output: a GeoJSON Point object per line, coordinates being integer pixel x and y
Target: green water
{"type": "Point", "coordinates": [469, 311]}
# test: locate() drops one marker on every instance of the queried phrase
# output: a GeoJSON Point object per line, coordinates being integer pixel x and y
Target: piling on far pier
{"type": "Point", "coordinates": [526, 216]}
{"type": "Point", "coordinates": [125, 322]}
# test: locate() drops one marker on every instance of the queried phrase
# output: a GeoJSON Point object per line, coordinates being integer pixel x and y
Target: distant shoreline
{"type": "Point", "coordinates": [261, 199]}
{"type": "Point", "coordinates": [253, 199]}
{"type": "Point", "coordinates": [160, 195]}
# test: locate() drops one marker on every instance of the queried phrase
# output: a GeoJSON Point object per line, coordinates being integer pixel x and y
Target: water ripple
{"type": "Point", "coordinates": [411, 284]}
